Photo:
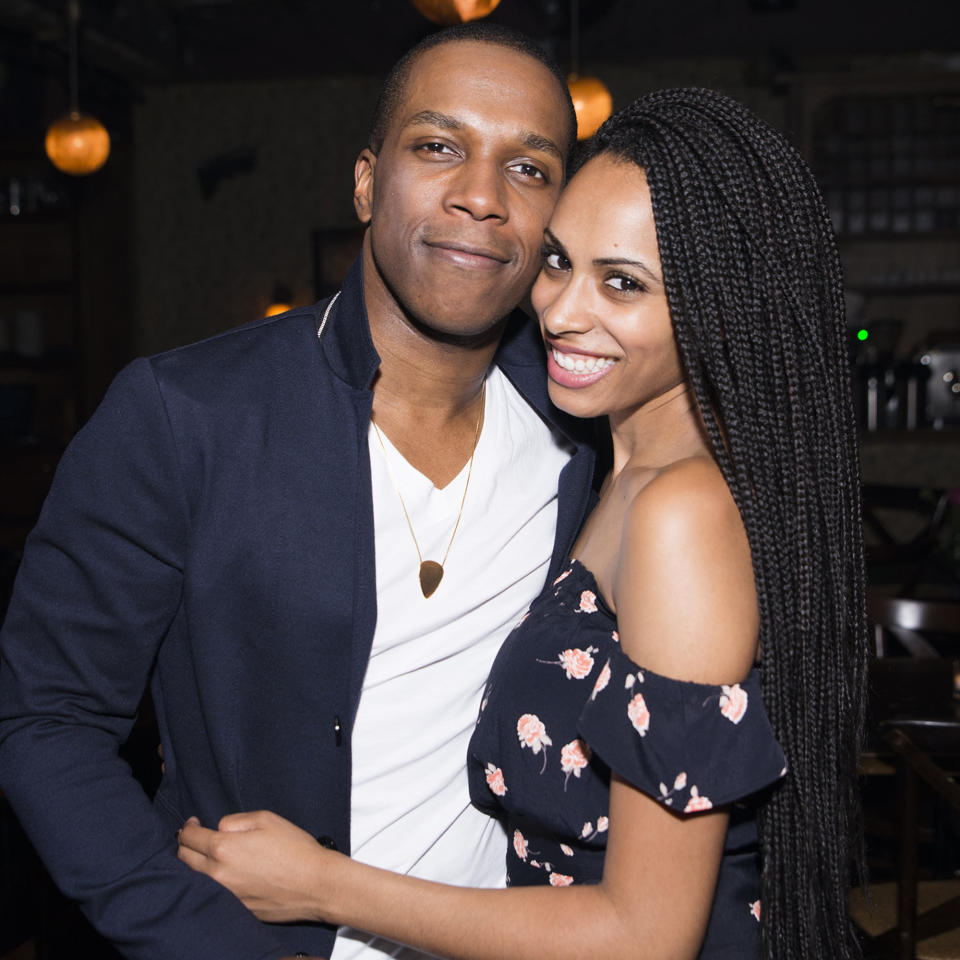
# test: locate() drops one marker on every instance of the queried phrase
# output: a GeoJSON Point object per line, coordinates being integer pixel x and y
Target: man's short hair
{"type": "Point", "coordinates": [395, 85]}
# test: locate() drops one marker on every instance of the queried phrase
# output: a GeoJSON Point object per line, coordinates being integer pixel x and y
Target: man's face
{"type": "Point", "coordinates": [459, 194]}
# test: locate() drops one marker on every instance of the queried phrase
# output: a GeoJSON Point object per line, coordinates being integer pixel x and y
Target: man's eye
{"type": "Point", "coordinates": [434, 147]}
{"type": "Point", "coordinates": [529, 170]}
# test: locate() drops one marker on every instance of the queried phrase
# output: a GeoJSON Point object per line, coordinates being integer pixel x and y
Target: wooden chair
{"type": "Point", "coordinates": [914, 558]}
{"type": "Point", "coordinates": [906, 620]}
{"type": "Point", "coordinates": [913, 730]}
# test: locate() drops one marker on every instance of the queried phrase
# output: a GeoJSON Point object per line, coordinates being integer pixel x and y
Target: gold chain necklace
{"type": "Point", "coordinates": [431, 572]}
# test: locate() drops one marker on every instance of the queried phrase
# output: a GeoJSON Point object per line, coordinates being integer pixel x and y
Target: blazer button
{"type": "Point", "coordinates": [327, 842]}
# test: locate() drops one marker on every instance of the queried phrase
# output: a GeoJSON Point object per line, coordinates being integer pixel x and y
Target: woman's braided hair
{"type": "Point", "coordinates": [754, 285]}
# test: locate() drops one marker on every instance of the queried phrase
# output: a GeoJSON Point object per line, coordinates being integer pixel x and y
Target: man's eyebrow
{"type": "Point", "coordinates": [531, 140]}
{"type": "Point", "coordinates": [434, 119]}
{"type": "Point", "coordinates": [536, 141]}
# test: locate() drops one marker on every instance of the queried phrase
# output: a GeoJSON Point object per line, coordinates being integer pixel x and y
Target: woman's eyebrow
{"type": "Point", "coordinates": [625, 262]}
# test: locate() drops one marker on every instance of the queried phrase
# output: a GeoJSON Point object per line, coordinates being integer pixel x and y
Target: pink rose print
{"type": "Point", "coordinates": [588, 832]}
{"type": "Point", "coordinates": [755, 910]}
{"type": "Point", "coordinates": [666, 796]}
{"type": "Point", "coordinates": [588, 602]}
{"type": "Point", "coordinates": [576, 663]}
{"type": "Point", "coordinates": [696, 803]}
{"type": "Point", "coordinates": [520, 846]}
{"type": "Point", "coordinates": [639, 714]}
{"type": "Point", "coordinates": [567, 850]}
{"type": "Point", "coordinates": [574, 756]}
{"type": "Point", "coordinates": [495, 780]}
{"type": "Point", "coordinates": [533, 734]}
{"type": "Point", "coordinates": [560, 880]}
{"type": "Point", "coordinates": [602, 680]}
{"type": "Point", "coordinates": [733, 702]}
{"type": "Point", "coordinates": [563, 576]}
{"type": "Point", "coordinates": [616, 636]}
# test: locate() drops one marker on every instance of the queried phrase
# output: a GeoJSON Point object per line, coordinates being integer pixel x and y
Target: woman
{"type": "Point", "coordinates": [683, 704]}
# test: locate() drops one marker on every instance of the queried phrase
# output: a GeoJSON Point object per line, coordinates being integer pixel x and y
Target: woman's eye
{"type": "Point", "coordinates": [623, 284]}
{"type": "Point", "coordinates": [555, 261]}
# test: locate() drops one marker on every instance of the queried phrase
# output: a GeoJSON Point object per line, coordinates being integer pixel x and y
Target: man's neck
{"type": "Point", "coordinates": [426, 395]}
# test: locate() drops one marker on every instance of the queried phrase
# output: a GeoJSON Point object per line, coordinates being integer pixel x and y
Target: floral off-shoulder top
{"type": "Point", "coordinates": [564, 706]}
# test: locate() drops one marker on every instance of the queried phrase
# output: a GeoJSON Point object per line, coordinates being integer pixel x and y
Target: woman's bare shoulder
{"type": "Point", "coordinates": [684, 588]}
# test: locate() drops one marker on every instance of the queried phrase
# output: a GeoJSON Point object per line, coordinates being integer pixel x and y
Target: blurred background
{"type": "Point", "coordinates": [233, 126]}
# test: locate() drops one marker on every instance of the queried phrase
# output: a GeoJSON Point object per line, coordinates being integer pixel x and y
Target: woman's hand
{"type": "Point", "coordinates": [276, 869]}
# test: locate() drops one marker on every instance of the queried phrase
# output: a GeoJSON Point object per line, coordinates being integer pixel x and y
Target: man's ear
{"type": "Point", "coordinates": [363, 185]}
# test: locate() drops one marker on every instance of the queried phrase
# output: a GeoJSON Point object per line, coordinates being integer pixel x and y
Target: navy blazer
{"type": "Point", "coordinates": [210, 531]}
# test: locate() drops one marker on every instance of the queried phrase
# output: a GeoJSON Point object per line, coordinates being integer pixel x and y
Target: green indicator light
{"type": "Point", "coordinates": [863, 334]}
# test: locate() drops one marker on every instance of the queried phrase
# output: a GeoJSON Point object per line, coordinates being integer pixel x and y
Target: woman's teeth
{"type": "Point", "coordinates": [578, 363]}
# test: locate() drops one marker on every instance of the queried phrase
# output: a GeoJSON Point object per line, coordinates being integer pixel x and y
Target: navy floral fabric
{"type": "Point", "coordinates": [564, 706]}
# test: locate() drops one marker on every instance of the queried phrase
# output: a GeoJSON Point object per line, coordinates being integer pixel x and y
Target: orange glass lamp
{"type": "Point", "coordinates": [281, 301]}
{"type": "Point", "coordinates": [450, 12]}
{"type": "Point", "coordinates": [592, 103]}
{"type": "Point", "coordinates": [76, 143]}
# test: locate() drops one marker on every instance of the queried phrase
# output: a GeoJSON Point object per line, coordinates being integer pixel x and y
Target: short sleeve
{"type": "Point", "coordinates": [690, 746]}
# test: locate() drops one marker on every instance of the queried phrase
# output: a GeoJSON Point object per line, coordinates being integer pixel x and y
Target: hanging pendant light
{"type": "Point", "coordinates": [281, 301]}
{"type": "Point", "coordinates": [450, 12]}
{"type": "Point", "coordinates": [76, 143]}
{"type": "Point", "coordinates": [591, 99]}
{"type": "Point", "coordinates": [592, 103]}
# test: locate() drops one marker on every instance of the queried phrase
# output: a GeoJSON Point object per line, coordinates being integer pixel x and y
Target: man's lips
{"type": "Point", "coordinates": [469, 254]}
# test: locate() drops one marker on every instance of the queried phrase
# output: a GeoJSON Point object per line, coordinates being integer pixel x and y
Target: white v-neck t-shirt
{"type": "Point", "coordinates": [410, 804]}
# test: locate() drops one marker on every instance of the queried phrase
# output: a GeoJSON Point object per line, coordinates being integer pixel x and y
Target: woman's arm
{"type": "Point", "coordinates": [680, 538]}
{"type": "Point", "coordinates": [653, 901]}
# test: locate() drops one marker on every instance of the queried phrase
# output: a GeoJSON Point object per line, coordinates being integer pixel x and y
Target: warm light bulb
{"type": "Point", "coordinates": [592, 102]}
{"type": "Point", "coordinates": [78, 144]}
{"type": "Point", "coordinates": [276, 308]}
{"type": "Point", "coordinates": [450, 12]}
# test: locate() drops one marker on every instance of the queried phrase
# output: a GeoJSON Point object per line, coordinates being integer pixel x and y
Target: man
{"type": "Point", "coordinates": [311, 534]}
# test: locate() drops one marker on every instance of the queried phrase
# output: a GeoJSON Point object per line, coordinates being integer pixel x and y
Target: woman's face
{"type": "Point", "coordinates": [600, 296]}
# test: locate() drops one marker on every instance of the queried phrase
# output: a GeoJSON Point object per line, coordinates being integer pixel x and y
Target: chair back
{"type": "Point", "coordinates": [907, 619]}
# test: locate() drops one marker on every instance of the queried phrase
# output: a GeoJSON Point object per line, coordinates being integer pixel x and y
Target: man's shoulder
{"type": "Point", "coordinates": [254, 342]}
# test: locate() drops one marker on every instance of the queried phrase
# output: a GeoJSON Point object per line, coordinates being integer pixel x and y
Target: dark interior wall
{"type": "Point", "coordinates": [232, 180]}
{"type": "Point", "coordinates": [286, 149]}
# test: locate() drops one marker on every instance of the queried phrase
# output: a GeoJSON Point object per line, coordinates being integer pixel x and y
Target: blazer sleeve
{"type": "Point", "coordinates": [97, 589]}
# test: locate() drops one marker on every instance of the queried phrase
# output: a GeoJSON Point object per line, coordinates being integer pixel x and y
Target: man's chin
{"type": "Point", "coordinates": [459, 330]}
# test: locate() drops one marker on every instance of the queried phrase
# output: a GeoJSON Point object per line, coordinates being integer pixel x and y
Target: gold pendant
{"type": "Point", "coordinates": [431, 573]}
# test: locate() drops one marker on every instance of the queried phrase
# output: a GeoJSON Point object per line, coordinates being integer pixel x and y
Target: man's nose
{"type": "Point", "coordinates": [478, 189]}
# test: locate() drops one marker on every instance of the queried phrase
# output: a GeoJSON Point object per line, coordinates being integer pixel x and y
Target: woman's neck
{"type": "Point", "coordinates": [661, 432]}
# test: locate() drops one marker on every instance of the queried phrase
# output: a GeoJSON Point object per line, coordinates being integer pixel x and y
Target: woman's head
{"type": "Point", "coordinates": [601, 299]}
{"type": "Point", "coordinates": [747, 271]}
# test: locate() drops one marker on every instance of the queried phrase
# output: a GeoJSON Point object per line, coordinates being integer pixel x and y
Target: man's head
{"type": "Point", "coordinates": [471, 138]}
{"type": "Point", "coordinates": [394, 87]}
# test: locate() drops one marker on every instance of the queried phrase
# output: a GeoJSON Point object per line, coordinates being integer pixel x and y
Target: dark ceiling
{"type": "Point", "coordinates": [135, 42]}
